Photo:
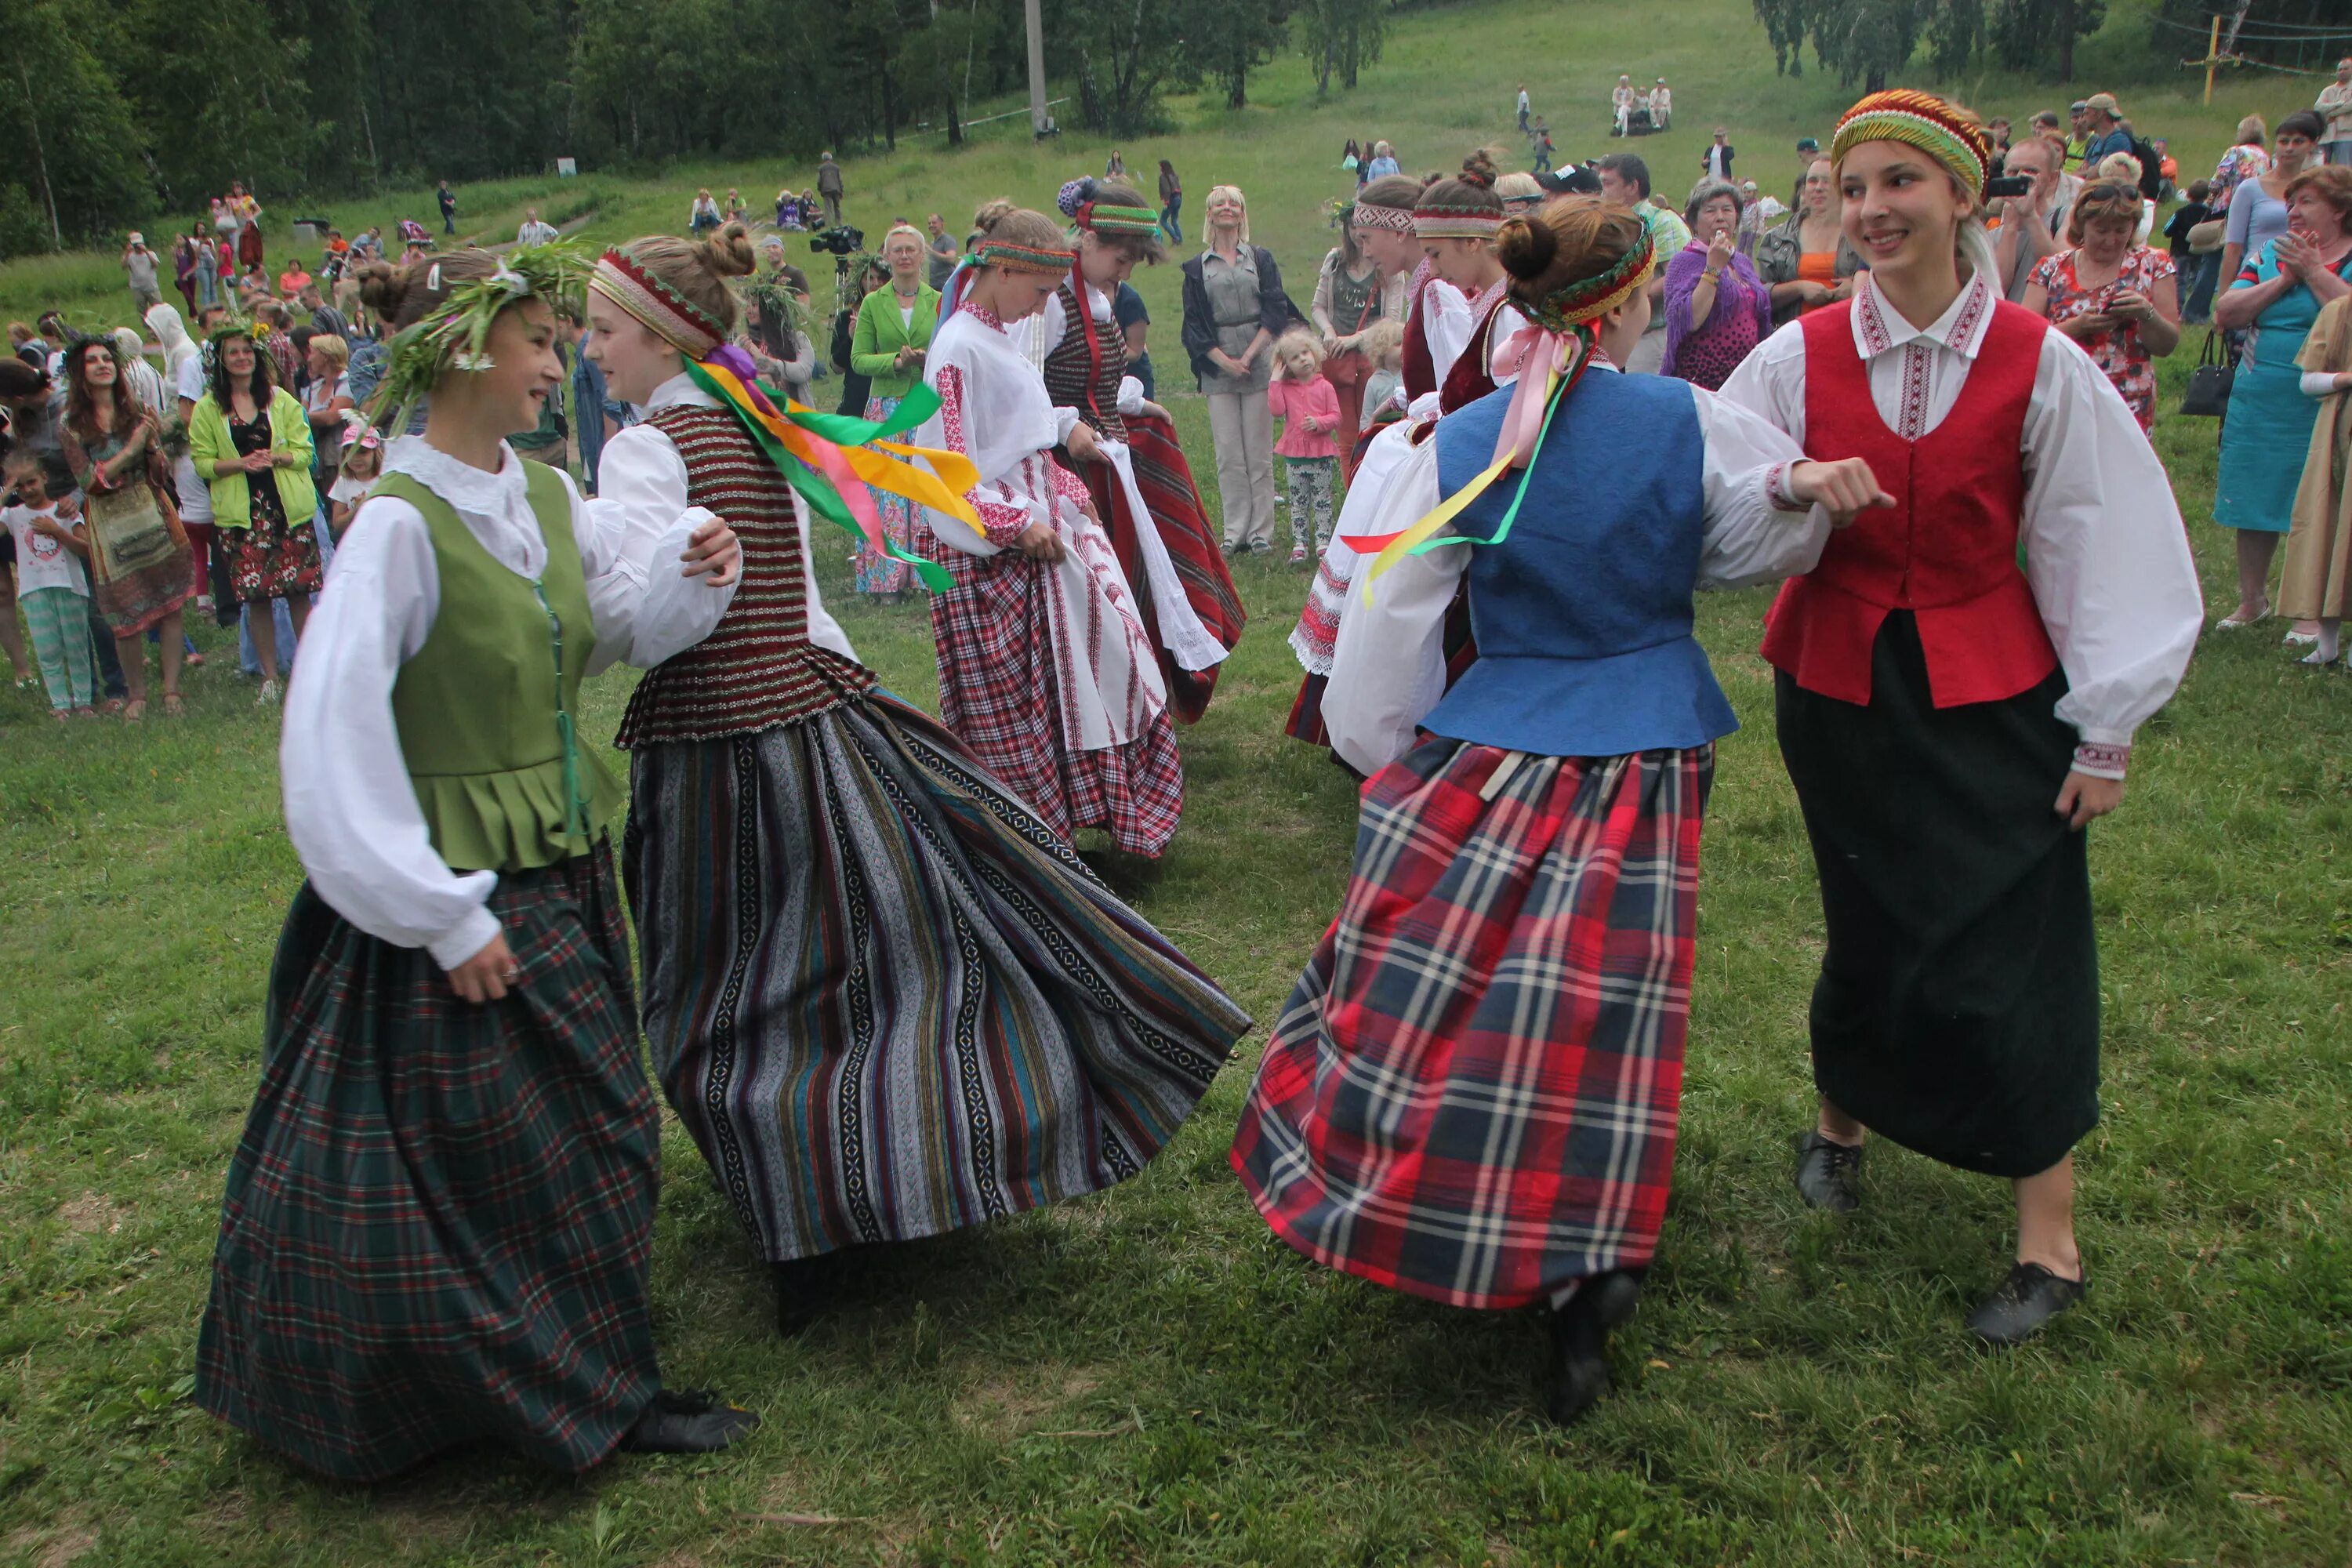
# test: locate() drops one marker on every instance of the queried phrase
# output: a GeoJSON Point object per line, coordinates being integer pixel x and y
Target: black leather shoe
{"type": "Point", "coordinates": [687, 1421]}
{"type": "Point", "coordinates": [2028, 1299]}
{"type": "Point", "coordinates": [1579, 1372]}
{"type": "Point", "coordinates": [1829, 1173]}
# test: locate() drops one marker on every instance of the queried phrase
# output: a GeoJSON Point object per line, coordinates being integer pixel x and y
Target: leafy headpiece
{"type": "Point", "coordinates": [455, 334]}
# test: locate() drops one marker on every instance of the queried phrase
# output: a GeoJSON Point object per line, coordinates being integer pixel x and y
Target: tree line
{"type": "Point", "coordinates": [1868, 41]}
{"type": "Point", "coordinates": [114, 110]}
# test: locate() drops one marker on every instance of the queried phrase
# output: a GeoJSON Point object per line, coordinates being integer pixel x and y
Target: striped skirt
{"type": "Point", "coordinates": [1472, 1093]}
{"type": "Point", "coordinates": [439, 1220]}
{"type": "Point", "coordinates": [884, 997]}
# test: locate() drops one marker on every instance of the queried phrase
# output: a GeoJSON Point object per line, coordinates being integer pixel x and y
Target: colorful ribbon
{"type": "Point", "coordinates": [1563, 357]}
{"type": "Point", "coordinates": [838, 456]}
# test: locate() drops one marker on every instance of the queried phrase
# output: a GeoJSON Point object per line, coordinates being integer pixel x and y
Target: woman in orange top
{"type": "Point", "coordinates": [1805, 261]}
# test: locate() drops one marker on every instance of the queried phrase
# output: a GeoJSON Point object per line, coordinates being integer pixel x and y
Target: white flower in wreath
{"type": "Point", "coordinates": [507, 278]}
{"type": "Point", "coordinates": [472, 359]}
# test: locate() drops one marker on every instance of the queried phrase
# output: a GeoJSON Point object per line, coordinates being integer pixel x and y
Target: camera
{"type": "Point", "coordinates": [839, 240]}
{"type": "Point", "coordinates": [2007, 185]}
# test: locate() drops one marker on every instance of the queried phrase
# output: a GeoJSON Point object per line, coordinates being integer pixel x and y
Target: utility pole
{"type": "Point", "coordinates": [1039, 123]}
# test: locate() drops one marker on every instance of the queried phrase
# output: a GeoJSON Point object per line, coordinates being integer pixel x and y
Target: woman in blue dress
{"type": "Point", "coordinates": [2279, 293]}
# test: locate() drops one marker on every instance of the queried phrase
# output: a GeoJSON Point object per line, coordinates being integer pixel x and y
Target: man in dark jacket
{"type": "Point", "coordinates": [828, 186]}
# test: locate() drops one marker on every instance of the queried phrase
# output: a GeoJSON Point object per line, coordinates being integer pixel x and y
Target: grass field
{"type": "Point", "coordinates": [1147, 1377]}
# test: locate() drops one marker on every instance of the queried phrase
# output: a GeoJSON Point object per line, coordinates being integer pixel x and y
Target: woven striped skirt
{"type": "Point", "coordinates": [1472, 1093]}
{"type": "Point", "coordinates": [439, 1220]}
{"type": "Point", "coordinates": [884, 997]}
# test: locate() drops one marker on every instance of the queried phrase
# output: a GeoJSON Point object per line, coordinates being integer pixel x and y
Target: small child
{"type": "Point", "coordinates": [1308, 406]}
{"type": "Point", "coordinates": [52, 590]}
{"type": "Point", "coordinates": [1382, 344]}
{"type": "Point", "coordinates": [362, 464]}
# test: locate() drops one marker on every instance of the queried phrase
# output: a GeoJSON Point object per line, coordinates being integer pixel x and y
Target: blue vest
{"type": "Point", "coordinates": [1584, 615]}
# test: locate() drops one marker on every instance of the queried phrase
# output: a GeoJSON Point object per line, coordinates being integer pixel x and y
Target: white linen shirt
{"type": "Point", "coordinates": [349, 807]}
{"type": "Point", "coordinates": [2105, 552]}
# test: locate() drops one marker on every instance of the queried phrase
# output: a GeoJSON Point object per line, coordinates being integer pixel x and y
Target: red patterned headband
{"type": "Point", "coordinates": [1396, 220]}
{"type": "Point", "coordinates": [667, 313]}
{"type": "Point", "coordinates": [1024, 257]}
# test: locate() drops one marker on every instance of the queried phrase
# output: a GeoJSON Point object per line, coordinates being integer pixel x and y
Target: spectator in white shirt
{"type": "Point", "coordinates": [534, 232]}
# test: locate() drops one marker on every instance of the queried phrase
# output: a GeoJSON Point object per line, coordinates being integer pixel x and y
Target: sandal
{"type": "Point", "coordinates": [2231, 623]}
{"type": "Point", "coordinates": [134, 710]}
{"type": "Point", "coordinates": [191, 661]}
{"type": "Point", "coordinates": [175, 706]}
{"type": "Point", "coordinates": [114, 705]}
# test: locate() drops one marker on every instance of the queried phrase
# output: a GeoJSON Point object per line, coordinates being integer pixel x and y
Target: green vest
{"type": "Point", "coordinates": [485, 710]}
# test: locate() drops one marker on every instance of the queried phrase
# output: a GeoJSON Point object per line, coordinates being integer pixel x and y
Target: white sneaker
{"type": "Point", "coordinates": [268, 695]}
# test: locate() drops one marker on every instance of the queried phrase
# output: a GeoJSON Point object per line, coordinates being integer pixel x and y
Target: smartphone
{"type": "Point", "coordinates": [2007, 185]}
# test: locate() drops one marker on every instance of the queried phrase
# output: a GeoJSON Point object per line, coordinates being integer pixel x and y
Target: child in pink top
{"type": "Point", "coordinates": [1309, 408]}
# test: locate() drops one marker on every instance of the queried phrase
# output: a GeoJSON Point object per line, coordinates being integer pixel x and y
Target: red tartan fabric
{"type": "Point", "coordinates": [1473, 1091]}
{"type": "Point", "coordinates": [1000, 694]}
{"type": "Point", "coordinates": [758, 669]}
{"type": "Point", "coordinates": [1166, 481]}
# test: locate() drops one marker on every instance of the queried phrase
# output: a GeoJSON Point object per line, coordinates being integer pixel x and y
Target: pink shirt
{"type": "Point", "coordinates": [1288, 401]}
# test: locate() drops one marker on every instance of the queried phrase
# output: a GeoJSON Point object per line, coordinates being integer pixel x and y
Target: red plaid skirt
{"type": "Point", "coordinates": [1472, 1093]}
{"type": "Point", "coordinates": [1000, 696]}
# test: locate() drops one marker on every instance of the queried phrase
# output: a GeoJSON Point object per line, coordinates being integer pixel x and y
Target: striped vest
{"type": "Point", "coordinates": [1073, 378]}
{"type": "Point", "coordinates": [758, 669]}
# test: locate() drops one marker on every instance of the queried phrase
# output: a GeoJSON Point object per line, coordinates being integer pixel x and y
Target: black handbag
{"type": "Point", "coordinates": [2208, 397]}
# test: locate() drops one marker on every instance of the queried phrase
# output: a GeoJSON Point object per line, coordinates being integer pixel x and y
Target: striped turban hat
{"type": "Point", "coordinates": [1945, 131]}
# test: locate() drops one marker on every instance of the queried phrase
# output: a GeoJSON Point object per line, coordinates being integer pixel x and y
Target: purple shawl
{"type": "Point", "coordinates": [1741, 319]}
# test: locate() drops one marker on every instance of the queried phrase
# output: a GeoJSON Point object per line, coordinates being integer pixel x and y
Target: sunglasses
{"type": "Point", "coordinates": [2111, 192]}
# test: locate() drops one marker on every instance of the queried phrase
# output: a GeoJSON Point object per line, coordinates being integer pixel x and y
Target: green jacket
{"type": "Point", "coordinates": [485, 708]}
{"type": "Point", "coordinates": [209, 443]}
{"type": "Point", "coordinates": [880, 335]}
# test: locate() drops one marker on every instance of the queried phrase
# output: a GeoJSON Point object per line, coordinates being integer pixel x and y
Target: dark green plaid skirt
{"type": "Point", "coordinates": [439, 1222]}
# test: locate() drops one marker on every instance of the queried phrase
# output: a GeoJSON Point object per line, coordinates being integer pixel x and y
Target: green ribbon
{"type": "Point", "coordinates": [1527, 475]}
{"type": "Point", "coordinates": [575, 792]}
{"type": "Point", "coordinates": [843, 430]}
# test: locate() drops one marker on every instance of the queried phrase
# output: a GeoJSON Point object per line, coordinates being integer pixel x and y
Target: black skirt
{"type": "Point", "coordinates": [1958, 1008]}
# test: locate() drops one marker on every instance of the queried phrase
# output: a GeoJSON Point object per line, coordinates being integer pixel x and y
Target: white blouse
{"type": "Point", "coordinates": [1038, 335]}
{"type": "Point", "coordinates": [1388, 669]}
{"type": "Point", "coordinates": [2105, 552]}
{"type": "Point", "coordinates": [350, 808]}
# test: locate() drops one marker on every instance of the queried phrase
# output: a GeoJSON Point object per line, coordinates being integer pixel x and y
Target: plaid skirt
{"type": "Point", "coordinates": [1472, 1094]}
{"type": "Point", "coordinates": [439, 1220]}
{"type": "Point", "coordinates": [884, 997]}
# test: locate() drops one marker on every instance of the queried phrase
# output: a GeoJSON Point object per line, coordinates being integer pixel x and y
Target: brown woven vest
{"type": "Point", "coordinates": [758, 669]}
{"type": "Point", "coordinates": [1072, 379]}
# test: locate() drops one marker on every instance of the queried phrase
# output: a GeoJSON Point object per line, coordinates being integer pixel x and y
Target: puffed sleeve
{"type": "Point", "coordinates": [1447, 323]}
{"type": "Point", "coordinates": [1756, 532]}
{"type": "Point", "coordinates": [1003, 518]}
{"type": "Point", "coordinates": [1388, 668]}
{"type": "Point", "coordinates": [350, 809]}
{"type": "Point", "coordinates": [2107, 555]}
{"type": "Point", "coordinates": [647, 609]}
{"type": "Point", "coordinates": [640, 506]}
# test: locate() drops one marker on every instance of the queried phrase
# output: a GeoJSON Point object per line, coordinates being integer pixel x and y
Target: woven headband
{"type": "Point", "coordinates": [1588, 299]}
{"type": "Point", "coordinates": [1396, 220]}
{"type": "Point", "coordinates": [1104, 219]}
{"type": "Point", "coordinates": [1918, 119]}
{"type": "Point", "coordinates": [1024, 257]}
{"type": "Point", "coordinates": [661, 309]}
{"type": "Point", "coordinates": [1456, 223]}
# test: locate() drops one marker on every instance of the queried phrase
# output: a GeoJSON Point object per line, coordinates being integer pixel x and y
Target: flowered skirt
{"type": "Point", "coordinates": [269, 558]}
{"type": "Point", "coordinates": [886, 999]}
{"type": "Point", "coordinates": [439, 1220]}
{"type": "Point", "coordinates": [1473, 1091]}
{"type": "Point", "coordinates": [876, 573]}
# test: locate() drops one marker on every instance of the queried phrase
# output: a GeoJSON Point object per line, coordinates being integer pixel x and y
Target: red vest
{"type": "Point", "coordinates": [1420, 367]}
{"type": "Point", "coordinates": [1947, 549]}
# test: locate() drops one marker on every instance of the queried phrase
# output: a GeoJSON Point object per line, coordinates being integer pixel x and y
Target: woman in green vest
{"type": "Point", "coordinates": [893, 334]}
{"type": "Point", "coordinates": [439, 1219]}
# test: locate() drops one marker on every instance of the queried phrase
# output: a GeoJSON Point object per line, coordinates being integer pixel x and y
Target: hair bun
{"type": "Point", "coordinates": [728, 252]}
{"type": "Point", "coordinates": [1525, 248]}
{"type": "Point", "coordinates": [1478, 169]}
{"type": "Point", "coordinates": [1075, 194]}
{"type": "Point", "coordinates": [383, 288]}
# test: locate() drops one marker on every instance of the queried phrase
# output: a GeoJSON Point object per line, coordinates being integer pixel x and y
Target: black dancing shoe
{"type": "Point", "coordinates": [2028, 1299]}
{"type": "Point", "coordinates": [687, 1421]}
{"type": "Point", "coordinates": [1829, 1173]}
{"type": "Point", "coordinates": [804, 1291]}
{"type": "Point", "coordinates": [1579, 1373]}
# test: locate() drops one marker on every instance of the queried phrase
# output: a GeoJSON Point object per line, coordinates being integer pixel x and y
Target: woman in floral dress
{"type": "Point", "coordinates": [2118, 299]}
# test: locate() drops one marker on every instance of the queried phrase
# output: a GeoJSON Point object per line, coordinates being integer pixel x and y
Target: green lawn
{"type": "Point", "coordinates": [1147, 1377]}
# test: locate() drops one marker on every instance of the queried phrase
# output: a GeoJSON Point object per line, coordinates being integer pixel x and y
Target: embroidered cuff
{"type": "Point", "coordinates": [2103, 758]}
{"type": "Point", "coordinates": [1776, 492]}
{"type": "Point", "coordinates": [1002, 523]}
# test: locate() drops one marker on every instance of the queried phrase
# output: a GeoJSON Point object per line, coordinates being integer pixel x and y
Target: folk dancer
{"type": "Point", "coordinates": [1959, 682]}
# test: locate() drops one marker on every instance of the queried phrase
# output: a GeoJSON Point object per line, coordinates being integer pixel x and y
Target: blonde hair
{"type": "Point", "coordinates": [1291, 341]}
{"type": "Point", "coordinates": [1224, 192]}
{"type": "Point", "coordinates": [333, 349]}
{"type": "Point", "coordinates": [1382, 341]}
{"type": "Point", "coordinates": [2119, 166]}
{"type": "Point", "coordinates": [991, 213]}
{"type": "Point", "coordinates": [1030, 231]}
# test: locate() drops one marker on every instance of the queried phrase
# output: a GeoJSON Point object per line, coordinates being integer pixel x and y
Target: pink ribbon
{"type": "Point", "coordinates": [1537, 355]}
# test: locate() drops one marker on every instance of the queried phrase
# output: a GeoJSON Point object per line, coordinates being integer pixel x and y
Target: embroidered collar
{"type": "Point", "coordinates": [462, 484]}
{"type": "Point", "coordinates": [983, 315]}
{"type": "Point", "coordinates": [1879, 327]}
